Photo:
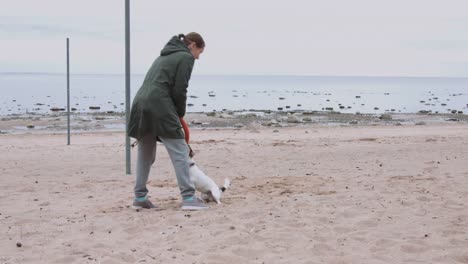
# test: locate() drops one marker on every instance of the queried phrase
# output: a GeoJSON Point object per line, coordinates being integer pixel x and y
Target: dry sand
{"type": "Point", "coordinates": [308, 194]}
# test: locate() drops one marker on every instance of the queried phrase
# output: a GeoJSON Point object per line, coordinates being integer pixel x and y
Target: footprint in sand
{"type": "Point", "coordinates": [248, 252]}
{"type": "Point", "coordinates": [454, 205]}
{"type": "Point", "coordinates": [423, 199]}
{"type": "Point", "coordinates": [457, 242]}
{"type": "Point", "coordinates": [322, 249]}
{"type": "Point", "coordinates": [342, 230]}
{"type": "Point", "coordinates": [462, 258]}
{"type": "Point", "coordinates": [385, 243]}
{"type": "Point", "coordinates": [367, 223]}
{"type": "Point", "coordinates": [414, 248]}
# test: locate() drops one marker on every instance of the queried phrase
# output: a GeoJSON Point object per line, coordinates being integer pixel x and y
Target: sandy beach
{"type": "Point", "coordinates": [308, 193]}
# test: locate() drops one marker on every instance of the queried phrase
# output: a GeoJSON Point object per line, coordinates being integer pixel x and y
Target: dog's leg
{"type": "Point", "coordinates": [215, 193]}
{"type": "Point", "coordinates": [206, 197]}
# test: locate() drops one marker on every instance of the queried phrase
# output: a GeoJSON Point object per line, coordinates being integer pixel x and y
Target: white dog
{"type": "Point", "coordinates": [204, 184]}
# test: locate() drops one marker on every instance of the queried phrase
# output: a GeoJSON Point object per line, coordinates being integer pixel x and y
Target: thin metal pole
{"type": "Point", "coordinates": [127, 85]}
{"type": "Point", "coordinates": [68, 89]}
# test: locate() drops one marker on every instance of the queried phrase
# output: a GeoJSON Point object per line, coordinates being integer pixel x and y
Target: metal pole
{"type": "Point", "coordinates": [127, 85]}
{"type": "Point", "coordinates": [68, 89]}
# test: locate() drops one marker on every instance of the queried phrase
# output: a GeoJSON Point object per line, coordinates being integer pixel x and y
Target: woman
{"type": "Point", "coordinates": [155, 115]}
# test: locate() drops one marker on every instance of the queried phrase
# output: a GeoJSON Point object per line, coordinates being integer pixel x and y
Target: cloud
{"type": "Point", "coordinates": [42, 28]}
{"type": "Point", "coordinates": [362, 37]}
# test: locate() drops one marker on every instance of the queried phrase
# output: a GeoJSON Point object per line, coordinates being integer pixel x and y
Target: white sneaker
{"type": "Point", "coordinates": [194, 204]}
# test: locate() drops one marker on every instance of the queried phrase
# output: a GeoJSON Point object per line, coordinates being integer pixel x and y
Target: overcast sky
{"type": "Point", "coordinates": [294, 37]}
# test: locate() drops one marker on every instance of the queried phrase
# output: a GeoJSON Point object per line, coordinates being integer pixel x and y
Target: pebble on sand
{"type": "Point", "coordinates": [385, 117]}
{"type": "Point", "coordinates": [293, 119]}
{"type": "Point", "coordinates": [56, 109]}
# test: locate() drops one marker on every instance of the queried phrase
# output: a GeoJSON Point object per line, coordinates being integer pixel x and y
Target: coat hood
{"type": "Point", "coordinates": [174, 45]}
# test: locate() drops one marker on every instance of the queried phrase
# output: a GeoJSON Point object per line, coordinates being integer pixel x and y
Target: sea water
{"type": "Point", "coordinates": [30, 92]}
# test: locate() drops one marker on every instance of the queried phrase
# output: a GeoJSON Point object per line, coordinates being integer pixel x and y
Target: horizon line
{"type": "Point", "coordinates": [252, 75]}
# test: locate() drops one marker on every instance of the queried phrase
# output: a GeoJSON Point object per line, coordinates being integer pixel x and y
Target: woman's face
{"type": "Point", "coordinates": [195, 50]}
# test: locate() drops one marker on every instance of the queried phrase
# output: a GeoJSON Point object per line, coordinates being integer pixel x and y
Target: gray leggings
{"type": "Point", "coordinates": [179, 154]}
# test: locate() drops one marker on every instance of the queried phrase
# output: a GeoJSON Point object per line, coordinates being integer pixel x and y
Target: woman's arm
{"type": "Point", "coordinates": [182, 77]}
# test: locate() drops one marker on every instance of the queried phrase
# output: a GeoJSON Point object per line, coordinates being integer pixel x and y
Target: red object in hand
{"type": "Point", "coordinates": [186, 130]}
{"type": "Point", "coordinates": [187, 136]}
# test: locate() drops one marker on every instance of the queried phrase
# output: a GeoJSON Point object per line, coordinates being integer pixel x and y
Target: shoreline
{"type": "Point", "coordinates": [115, 121]}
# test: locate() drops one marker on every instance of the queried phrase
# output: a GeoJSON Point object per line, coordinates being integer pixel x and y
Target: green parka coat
{"type": "Point", "coordinates": [162, 98]}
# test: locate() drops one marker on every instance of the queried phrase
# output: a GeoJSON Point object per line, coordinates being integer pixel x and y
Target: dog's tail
{"type": "Point", "coordinates": [226, 185]}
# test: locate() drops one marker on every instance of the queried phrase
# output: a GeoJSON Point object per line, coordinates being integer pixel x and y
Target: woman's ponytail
{"type": "Point", "coordinates": [192, 37]}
